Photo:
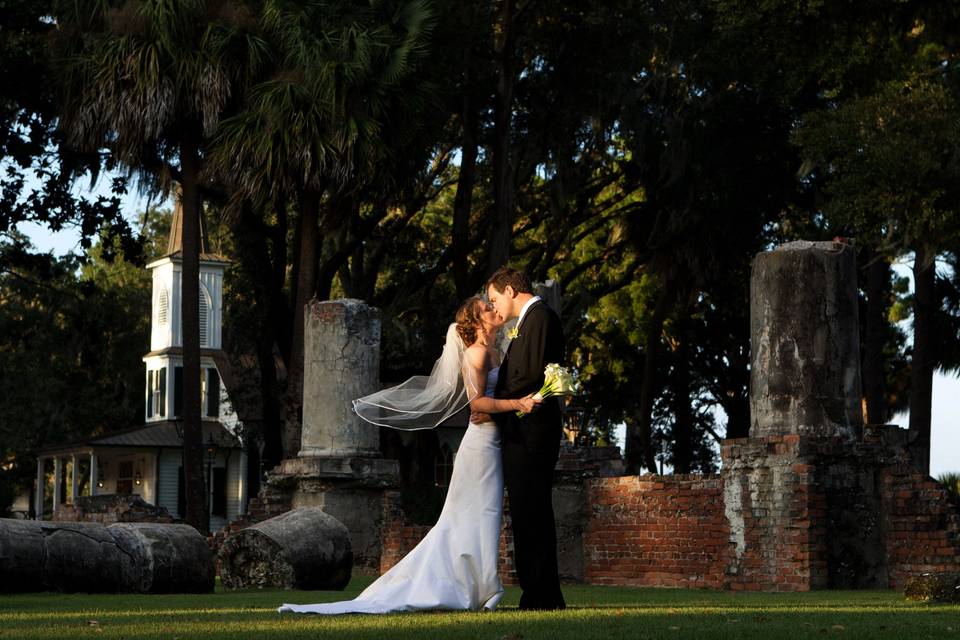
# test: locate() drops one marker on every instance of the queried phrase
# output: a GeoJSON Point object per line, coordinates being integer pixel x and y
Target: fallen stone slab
{"type": "Point", "coordinates": [93, 558]}
{"type": "Point", "coordinates": [305, 548]}
{"type": "Point", "coordinates": [934, 587]}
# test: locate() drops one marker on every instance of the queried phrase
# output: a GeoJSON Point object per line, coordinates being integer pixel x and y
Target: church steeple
{"type": "Point", "coordinates": [175, 241]}
{"type": "Point", "coordinates": [164, 362]}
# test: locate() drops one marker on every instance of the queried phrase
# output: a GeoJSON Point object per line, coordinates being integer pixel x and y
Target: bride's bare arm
{"type": "Point", "coordinates": [475, 379]}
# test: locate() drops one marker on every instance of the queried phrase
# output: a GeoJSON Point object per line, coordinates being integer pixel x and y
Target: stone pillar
{"type": "Point", "coordinates": [802, 494]}
{"type": "Point", "coordinates": [805, 407]}
{"type": "Point", "coordinates": [804, 333]}
{"type": "Point", "coordinates": [341, 363]}
{"type": "Point", "coordinates": [41, 485]}
{"type": "Point", "coordinates": [339, 467]}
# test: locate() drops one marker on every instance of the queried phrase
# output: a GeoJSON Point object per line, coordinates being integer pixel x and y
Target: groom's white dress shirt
{"type": "Point", "coordinates": [525, 308]}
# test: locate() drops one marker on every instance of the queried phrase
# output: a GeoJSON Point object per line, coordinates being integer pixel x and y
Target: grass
{"type": "Point", "coordinates": [599, 613]}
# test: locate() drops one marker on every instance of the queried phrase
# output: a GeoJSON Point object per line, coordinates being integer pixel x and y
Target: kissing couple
{"type": "Point", "coordinates": [454, 567]}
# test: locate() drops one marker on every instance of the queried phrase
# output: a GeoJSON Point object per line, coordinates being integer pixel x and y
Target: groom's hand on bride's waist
{"type": "Point", "coordinates": [477, 417]}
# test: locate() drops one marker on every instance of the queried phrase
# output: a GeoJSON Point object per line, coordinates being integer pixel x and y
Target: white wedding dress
{"type": "Point", "coordinates": [455, 565]}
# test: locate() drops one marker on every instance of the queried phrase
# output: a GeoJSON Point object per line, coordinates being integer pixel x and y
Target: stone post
{"type": "Point", "coordinates": [341, 363]}
{"type": "Point", "coordinates": [339, 467]}
{"type": "Point", "coordinates": [804, 333]}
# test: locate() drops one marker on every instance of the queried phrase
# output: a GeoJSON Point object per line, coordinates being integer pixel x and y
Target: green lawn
{"type": "Point", "coordinates": [594, 613]}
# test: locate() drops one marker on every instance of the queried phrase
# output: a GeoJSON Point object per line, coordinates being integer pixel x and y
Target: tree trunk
{"type": "Point", "coordinates": [924, 353]}
{"type": "Point", "coordinates": [639, 446]}
{"type": "Point", "coordinates": [462, 202]}
{"type": "Point", "coordinates": [682, 411]}
{"type": "Point", "coordinates": [878, 293]}
{"type": "Point", "coordinates": [195, 492]}
{"type": "Point", "coordinates": [501, 231]}
{"type": "Point", "coordinates": [251, 242]}
{"type": "Point", "coordinates": [304, 289]}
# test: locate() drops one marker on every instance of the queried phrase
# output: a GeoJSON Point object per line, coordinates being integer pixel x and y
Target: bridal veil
{"type": "Point", "coordinates": [422, 402]}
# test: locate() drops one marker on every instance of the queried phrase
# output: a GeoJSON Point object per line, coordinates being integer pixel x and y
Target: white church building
{"type": "Point", "coordinates": [147, 459]}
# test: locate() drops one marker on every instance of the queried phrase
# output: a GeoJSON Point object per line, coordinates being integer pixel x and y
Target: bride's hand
{"type": "Point", "coordinates": [527, 404]}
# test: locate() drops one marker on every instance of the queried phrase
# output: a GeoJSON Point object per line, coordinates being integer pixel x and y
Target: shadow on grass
{"type": "Point", "coordinates": [594, 613]}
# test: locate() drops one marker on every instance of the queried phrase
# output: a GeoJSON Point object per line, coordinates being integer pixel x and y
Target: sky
{"type": "Point", "coordinates": [945, 427]}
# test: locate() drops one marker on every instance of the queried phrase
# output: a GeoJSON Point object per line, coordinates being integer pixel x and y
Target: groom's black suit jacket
{"type": "Point", "coordinates": [540, 342]}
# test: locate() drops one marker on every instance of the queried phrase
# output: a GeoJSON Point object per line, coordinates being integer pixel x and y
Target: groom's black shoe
{"type": "Point", "coordinates": [555, 603]}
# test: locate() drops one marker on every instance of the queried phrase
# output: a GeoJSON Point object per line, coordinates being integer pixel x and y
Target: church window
{"type": "Point", "coordinates": [149, 400]}
{"type": "Point", "coordinates": [157, 392]}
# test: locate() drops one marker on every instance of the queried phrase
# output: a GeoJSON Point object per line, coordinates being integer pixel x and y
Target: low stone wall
{"type": "Point", "coordinates": [787, 513]}
{"type": "Point", "coordinates": [665, 531]}
{"type": "Point", "coordinates": [111, 508]}
{"type": "Point", "coordinates": [645, 531]}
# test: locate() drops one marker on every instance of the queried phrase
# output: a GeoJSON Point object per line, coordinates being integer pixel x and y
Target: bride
{"type": "Point", "coordinates": [455, 565]}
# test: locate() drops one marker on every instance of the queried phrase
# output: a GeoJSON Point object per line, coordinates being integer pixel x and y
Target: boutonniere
{"type": "Point", "coordinates": [514, 333]}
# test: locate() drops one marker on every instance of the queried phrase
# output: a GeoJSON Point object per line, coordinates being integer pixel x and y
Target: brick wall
{"type": "Point", "coordinates": [776, 514]}
{"type": "Point", "coordinates": [922, 526]}
{"type": "Point", "coordinates": [399, 537]}
{"type": "Point", "coordinates": [667, 531]}
{"type": "Point", "coordinates": [110, 508]}
{"type": "Point", "coordinates": [787, 513]}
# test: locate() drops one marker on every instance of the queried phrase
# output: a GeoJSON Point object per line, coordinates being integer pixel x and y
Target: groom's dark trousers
{"type": "Point", "coordinates": [530, 447]}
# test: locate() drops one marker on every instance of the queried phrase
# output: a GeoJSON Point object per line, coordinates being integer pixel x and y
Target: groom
{"type": "Point", "coordinates": [531, 444]}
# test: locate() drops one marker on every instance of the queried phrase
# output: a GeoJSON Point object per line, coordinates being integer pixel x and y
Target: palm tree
{"type": "Point", "coordinates": [311, 127]}
{"type": "Point", "coordinates": [149, 81]}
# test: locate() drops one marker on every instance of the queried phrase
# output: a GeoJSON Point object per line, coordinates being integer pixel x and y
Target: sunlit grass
{"type": "Point", "coordinates": [594, 613]}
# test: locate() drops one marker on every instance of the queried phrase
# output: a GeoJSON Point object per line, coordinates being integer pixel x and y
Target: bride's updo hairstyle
{"type": "Point", "coordinates": [468, 319]}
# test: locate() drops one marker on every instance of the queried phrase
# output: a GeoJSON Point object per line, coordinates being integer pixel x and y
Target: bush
{"type": "Point", "coordinates": [951, 482]}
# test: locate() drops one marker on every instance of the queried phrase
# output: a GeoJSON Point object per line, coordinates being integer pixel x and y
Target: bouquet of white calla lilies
{"type": "Point", "coordinates": [557, 381]}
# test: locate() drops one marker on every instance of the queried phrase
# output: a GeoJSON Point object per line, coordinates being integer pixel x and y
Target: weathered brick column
{"type": "Point", "coordinates": [804, 396]}
{"type": "Point", "coordinates": [813, 497]}
{"type": "Point", "coordinates": [339, 467]}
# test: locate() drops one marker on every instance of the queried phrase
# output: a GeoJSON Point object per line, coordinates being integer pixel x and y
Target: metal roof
{"type": "Point", "coordinates": [151, 435]}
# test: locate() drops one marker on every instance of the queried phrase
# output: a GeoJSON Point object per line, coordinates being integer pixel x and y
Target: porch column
{"type": "Point", "coordinates": [56, 482]}
{"type": "Point", "coordinates": [242, 490]}
{"type": "Point", "coordinates": [74, 480]}
{"type": "Point", "coordinates": [41, 485]}
{"type": "Point", "coordinates": [94, 473]}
